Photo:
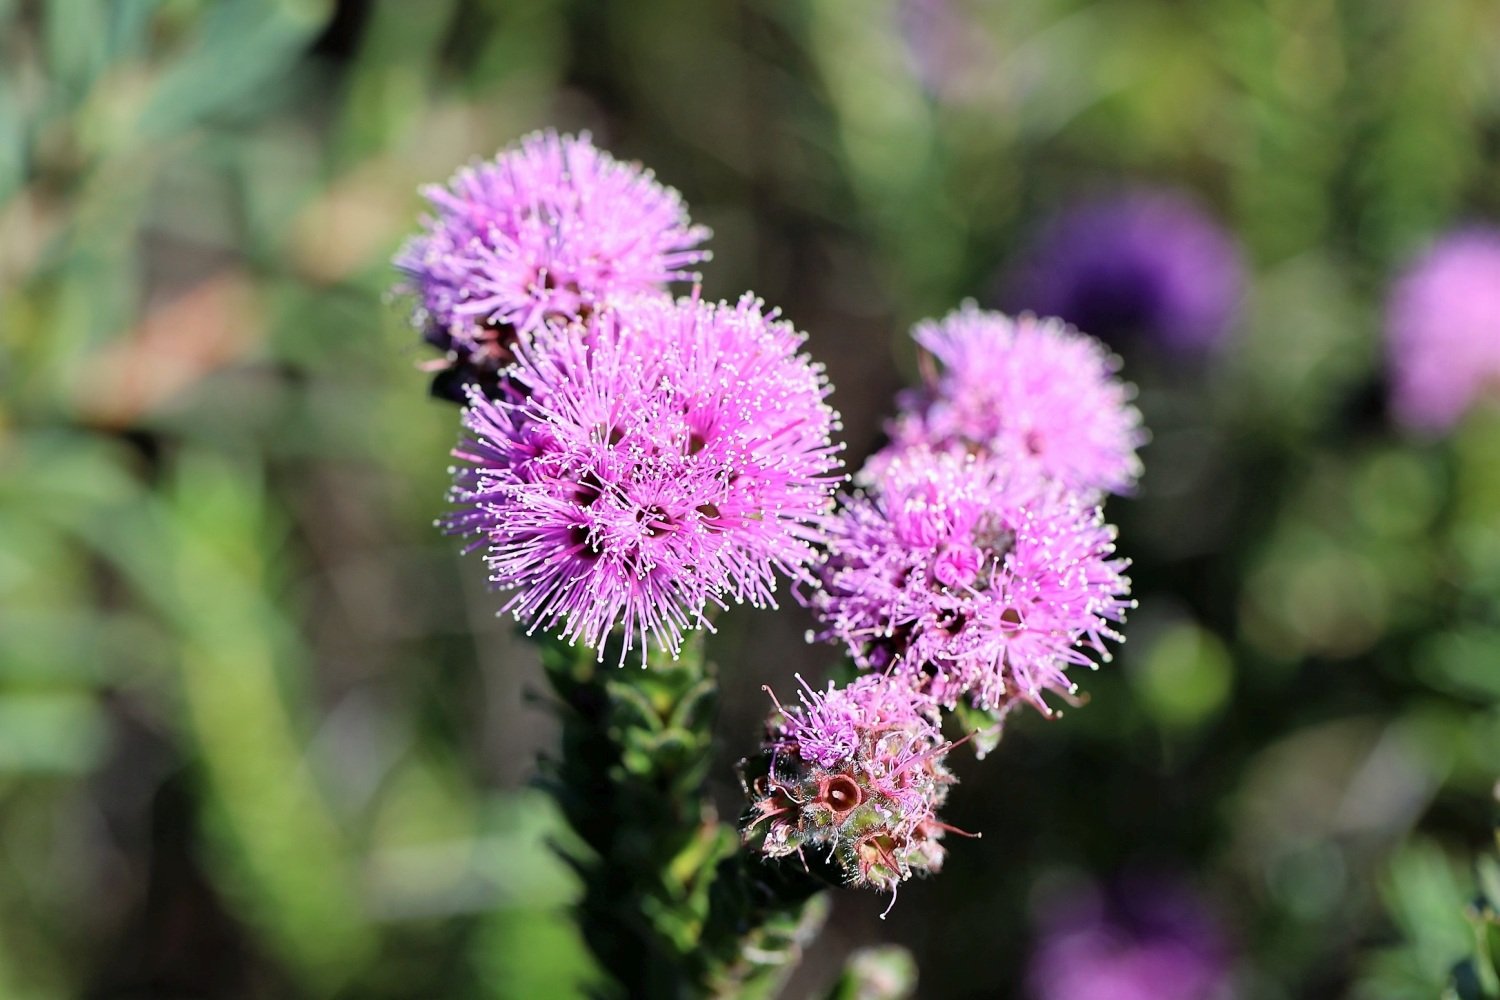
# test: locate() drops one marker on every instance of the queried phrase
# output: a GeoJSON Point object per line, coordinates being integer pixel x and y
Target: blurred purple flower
{"type": "Point", "coordinates": [1038, 396]}
{"type": "Point", "coordinates": [549, 230]}
{"type": "Point", "coordinates": [1148, 263]}
{"type": "Point", "coordinates": [1443, 330]}
{"type": "Point", "coordinates": [970, 583]}
{"type": "Point", "coordinates": [1143, 940]}
{"type": "Point", "coordinates": [656, 459]}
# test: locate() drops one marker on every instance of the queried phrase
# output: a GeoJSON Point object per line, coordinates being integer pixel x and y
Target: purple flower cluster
{"type": "Point", "coordinates": [1443, 334]}
{"type": "Point", "coordinates": [975, 565]}
{"type": "Point", "coordinates": [549, 230]}
{"type": "Point", "coordinates": [630, 461]}
{"type": "Point", "coordinates": [972, 568]}
{"type": "Point", "coordinates": [633, 462]}
{"type": "Point", "coordinates": [651, 461]}
{"type": "Point", "coordinates": [826, 728]}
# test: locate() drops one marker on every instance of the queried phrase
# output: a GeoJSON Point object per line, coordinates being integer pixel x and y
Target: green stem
{"type": "Point", "coordinates": [761, 916]}
{"type": "Point", "coordinates": [670, 907]}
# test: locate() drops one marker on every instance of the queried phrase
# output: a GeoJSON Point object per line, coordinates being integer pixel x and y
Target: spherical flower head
{"type": "Point", "coordinates": [1443, 331]}
{"type": "Point", "coordinates": [654, 460]}
{"type": "Point", "coordinates": [1149, 264]}
{"type": "Point", "coordinates": [970, 583]}
{"type": "Point", "coordinates": [857, 774]}
{"type": "Point", "coordinates": [549, 230]}
{"type": "Point", "coordinates": [1144, 941]}
{"type": "Point", "coordinates": [1033, 393]}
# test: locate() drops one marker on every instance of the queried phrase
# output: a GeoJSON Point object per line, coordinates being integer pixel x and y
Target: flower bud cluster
{"type": "Point", "coordinates": [855, 776]}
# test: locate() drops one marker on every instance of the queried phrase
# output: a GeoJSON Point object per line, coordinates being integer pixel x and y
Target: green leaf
{"type": "Point", "coordinates": [631, 711]}
{"type": "Point", "coordinates": [74, 35]}
{"type": "Point", "coordinates": [695, 707]}
{"type": "Point", "coordinates": [986, 725]}
{"type": "Point", "coordinates": [241, 46]}
{"type": "Point", "coordinates": [1488, 869]}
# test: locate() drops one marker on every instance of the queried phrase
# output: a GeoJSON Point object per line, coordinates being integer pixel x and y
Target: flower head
{"type": "Point", "coordinates": [1149, 263]}
{"type": "Point", "coordinates": [1443, 331]}
{"type": "Point", "coordinates": [549, 230]}
{"type": "Point", "coordinates": [1143, 941]}
{"type": "Point", "coordinates": [1033, 393]}
{"type": "Point", "coordinates": [856, 772]}
{"type": "Point", "coordinates": [970, 583]}
{"type": "Point", "coordinates": [825, 728]}
{"type": "Point", "coordinates": [653, 460]}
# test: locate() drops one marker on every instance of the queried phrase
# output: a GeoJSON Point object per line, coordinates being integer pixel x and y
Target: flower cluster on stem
{"type": "Point", "coordinates": [630, 463]}
{"type": "Point", "coordinates": [970, 569]}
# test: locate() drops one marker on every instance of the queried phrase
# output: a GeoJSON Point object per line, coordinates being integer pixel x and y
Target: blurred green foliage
{"type": "Point", "coordinates": [259, 736]}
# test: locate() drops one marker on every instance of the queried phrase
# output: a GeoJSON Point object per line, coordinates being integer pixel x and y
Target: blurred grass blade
{"type": "Point", "coordinates": [296, 877]}
{"type": "Point", "coordinates": [241, 45]}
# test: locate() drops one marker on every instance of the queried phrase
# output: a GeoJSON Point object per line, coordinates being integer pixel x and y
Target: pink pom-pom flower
{"type": "Point", "coordinates": [653, 461]}
{"type": "Point", "coordinates": [1035, 394]}
{"type": "Point", "coordinates": [970, 582]}
{"type": "Point", "coordinates": [546, 232]}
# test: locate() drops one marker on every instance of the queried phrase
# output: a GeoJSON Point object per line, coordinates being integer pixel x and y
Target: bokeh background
{"type": "Point", "coordinates": [260, 732]}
